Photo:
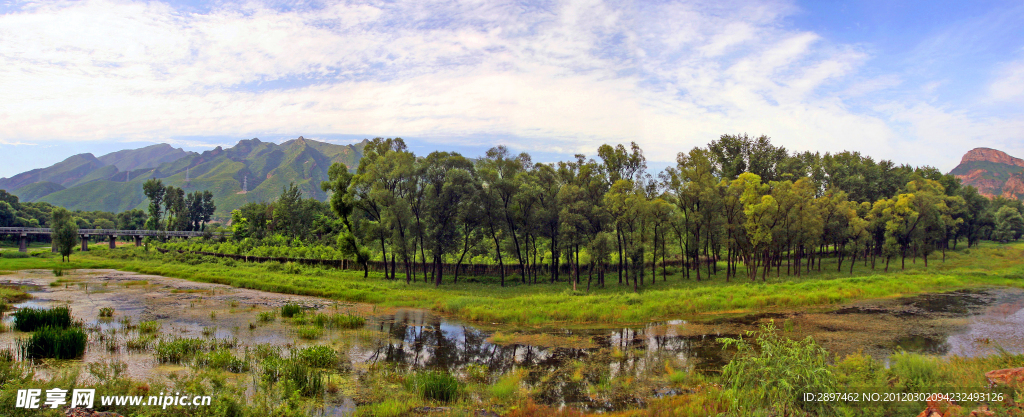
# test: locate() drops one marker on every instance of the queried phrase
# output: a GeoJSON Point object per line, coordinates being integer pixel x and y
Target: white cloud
{"type": "Point", "coordinates": [563, 78]}
{"type": "Point", "coordinates": [1009, 83]}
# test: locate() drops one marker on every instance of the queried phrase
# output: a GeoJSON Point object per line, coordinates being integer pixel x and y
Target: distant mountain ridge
{"type": "Point", "coordinates": [992, 172]}
{"type": "Point", "coordinates": [250, 171]}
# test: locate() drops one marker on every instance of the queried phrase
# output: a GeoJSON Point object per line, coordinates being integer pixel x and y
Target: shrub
{"type": "Point", "coordinates": [265, 317]}
{"type": "Point", "coordinates": [290, 310]}
{"type": "Point", "coordinates": [106, 311]}
{"type": "Point", "coordinates": [778, 370]}
{"type": "Point", "coordinates": [30, 319]}
{"type": "Point", "coordinates": [14, 255]}
{"type": "Point", "coordinates": [54, 342]}
{"type": "Point", "coordinates": [437, 385]}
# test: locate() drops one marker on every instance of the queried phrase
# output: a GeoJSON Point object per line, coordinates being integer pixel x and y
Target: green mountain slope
{"type": "Point", "coordinates": [65, 173]}
{"type": "Point", "coordinates": [149, 157]}
{"type": "Point", "coordinates": [37, 190]}
{"type": "Point", "coordinates": [262, 169]}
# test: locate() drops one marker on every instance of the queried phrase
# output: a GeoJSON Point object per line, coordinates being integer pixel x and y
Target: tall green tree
{"type": "Point", "coordinates": [154, 190]}
{"type": "Point", "coordinates": [64, 232]}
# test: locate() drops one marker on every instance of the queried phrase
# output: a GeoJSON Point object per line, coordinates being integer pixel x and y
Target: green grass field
{"type": "Point", "coordinates": [989, 264]}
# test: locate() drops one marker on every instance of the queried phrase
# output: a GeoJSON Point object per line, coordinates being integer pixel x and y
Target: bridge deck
{"type": "Point", "coordinates": [101, 232]}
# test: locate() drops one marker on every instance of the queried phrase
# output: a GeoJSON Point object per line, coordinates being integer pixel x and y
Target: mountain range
{"type": "Point", "coordinates": [250, 171]}
{"type": "Point", "coordinates": [992, 172]}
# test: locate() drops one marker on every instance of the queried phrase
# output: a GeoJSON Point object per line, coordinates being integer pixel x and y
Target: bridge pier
{"type": "Point", "coordinates": [113, 239]}
{"type": "Point", "coordinates": [23, 242]}
{"type": "Point", "coordinates": [85, 243]}
{"type": "Point", "coordinates": [138, 240]}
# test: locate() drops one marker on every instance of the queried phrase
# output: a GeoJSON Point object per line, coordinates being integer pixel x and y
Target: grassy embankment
{"type": "Point", "coordinates": [481, 299]}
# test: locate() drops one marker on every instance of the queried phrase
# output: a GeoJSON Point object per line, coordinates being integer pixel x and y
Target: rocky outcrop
{"type": "Point", "coordinates": [992, 172]}
{"type": "Point", "coordinates": [1014, 187]}
{"type": "Point", "coordinates": [991, 155]}
{"type": "Point", "coordinates": [1008, 376]}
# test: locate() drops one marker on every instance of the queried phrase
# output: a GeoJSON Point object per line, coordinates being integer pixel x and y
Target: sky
{"type": "Point", "coordinates": [918, 82]}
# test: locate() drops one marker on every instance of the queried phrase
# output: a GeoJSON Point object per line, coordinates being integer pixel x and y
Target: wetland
{"type": "Point", "coordinates": [558, 366]}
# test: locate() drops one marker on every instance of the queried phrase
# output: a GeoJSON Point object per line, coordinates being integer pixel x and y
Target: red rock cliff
{"type": "Point", "coordinates": [991, 155]}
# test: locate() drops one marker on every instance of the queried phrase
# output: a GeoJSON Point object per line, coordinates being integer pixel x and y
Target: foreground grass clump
{"type": "Point", "coordinates": [305, 379]}
{"type": "Point", "coordinates": [437, 386]}
{"type": "Point", "coordinates": [55, 342]}
{"type": "Point", "coordinates": [30, 319]}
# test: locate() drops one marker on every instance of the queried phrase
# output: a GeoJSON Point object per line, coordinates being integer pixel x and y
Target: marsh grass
{"type": "Point", "coordinates": [139, 343]}
{"type": "Point", "coordinates": [320, 356]}
{"type": "Point", "coordinates": [148, 327]}
{"type": "Point", "coordinates": [106, 312]}
{"type": "Point", "coordinates": [337, 321]}
{"type": "Point", "coordinates": [222, 359]}
{"type": "Point", "coordinates": [309, 381]}
{"type": "Point", "coordinates": [265, 316]}
{"type": "Point", "coordinates": [54, 342]}
{"type": "Point", "coordinates": [309, 332]}
{"type": "Point", "coordinates": [437, 386]}
{"type": "Point", "coordinates": [290, 310]}
{"type": "Point", "coordinates": [179, 350]}
{"type": "Point", "coordinates": [30, 319]}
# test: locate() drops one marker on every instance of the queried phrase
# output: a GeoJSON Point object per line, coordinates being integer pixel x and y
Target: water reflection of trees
{"type": "Point", "coordinates": [421, 340]}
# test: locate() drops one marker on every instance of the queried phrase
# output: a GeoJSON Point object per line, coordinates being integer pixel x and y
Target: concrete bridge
{"type": "Point", "coordinates": [23, 232]}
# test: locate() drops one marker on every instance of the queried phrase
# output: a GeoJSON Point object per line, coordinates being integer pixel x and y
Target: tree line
{"type": "Point", "coordinates": [743, 201]}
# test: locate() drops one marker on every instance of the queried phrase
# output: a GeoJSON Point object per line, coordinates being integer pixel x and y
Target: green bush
{"type": "Point", "coordinates": [30, 319]}
{"type": "Point", "coordinates": [14, 255]}
{"type": "Point", "coordinates": [55, 342]}
{"type": "Point", "coordinates": [106, 311]}
{"type": "Point", "coordinates": [775, 373]}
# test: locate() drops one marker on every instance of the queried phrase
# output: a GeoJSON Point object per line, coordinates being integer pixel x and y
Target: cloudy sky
{"type": "Point", "coordinates": [917, 82]}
